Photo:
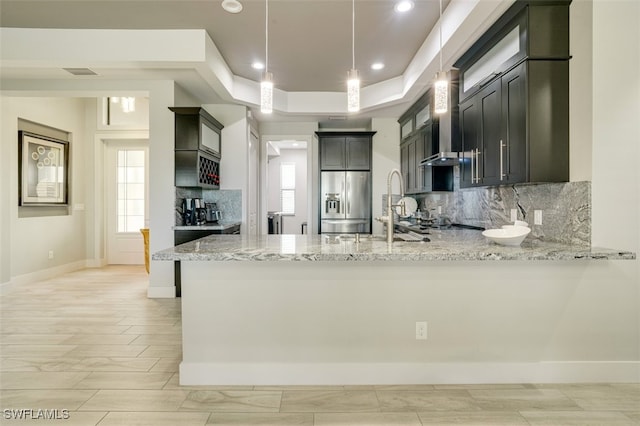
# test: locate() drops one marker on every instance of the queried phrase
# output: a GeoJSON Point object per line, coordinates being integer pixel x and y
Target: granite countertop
{"type": "Point", "coordinates": [451, 244]}
{"type": "Point", "coordinates": [220, 225]}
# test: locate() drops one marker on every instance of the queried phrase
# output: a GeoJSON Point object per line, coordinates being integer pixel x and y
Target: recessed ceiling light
{"type": "Point", "coordinates": [377, 66]}
{"type": "Point", "coordinates": [232, 6]}
{"type": "Point", "coordinates": [403, 6]}
{"type": "Point", "coordinates": [257, 65]}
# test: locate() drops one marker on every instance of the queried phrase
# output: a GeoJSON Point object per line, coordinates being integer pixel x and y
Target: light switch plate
{"type": "Point", "coordinates": [421, 330]}
{"type": "Point", "coordinates": [537, 217]}
{"type": "Point", "coordinates": [514, 215]}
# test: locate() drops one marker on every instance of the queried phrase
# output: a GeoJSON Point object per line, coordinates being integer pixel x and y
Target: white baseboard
{"type": "Point", "coordinates": [96, 263]}
{"type": "Point", "coordinates": [407, 373]}
{"type": "Point", "coordinates": [43, 274]}
{"type": "Point", "coordinates": [168, 292]}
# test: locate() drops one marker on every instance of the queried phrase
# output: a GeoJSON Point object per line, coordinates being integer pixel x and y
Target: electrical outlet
{"type": "Point", "coordinates": [537, 217]}
{"type": "Point", "coordinates": [421, 330]}
{"type": "Point", "coordinates": [50, 254]}
{"type": "Point", "coordinates": [514, 215]}
{"type": "Point", "coordinates": [439, 209]}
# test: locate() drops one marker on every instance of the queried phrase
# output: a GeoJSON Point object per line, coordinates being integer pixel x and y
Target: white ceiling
{"type": "Point", "coordinates": [309, 40]}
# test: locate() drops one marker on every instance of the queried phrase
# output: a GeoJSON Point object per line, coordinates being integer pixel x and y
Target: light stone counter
{"type": "Point", "coordinates": [447, 245]}
{"type": "Point", "coordinates": [219, 226]}
{"type": "Point", "coordinates": [322, 310]}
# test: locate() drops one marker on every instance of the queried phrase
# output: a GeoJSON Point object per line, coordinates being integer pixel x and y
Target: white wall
{"type": "Point", "coordinates": [580, 88]}
{"type": "Point", "coordinates": [234, 151]}
{"type": "Point", "coordinates": [26, 241]}
{"type": "Point", "coordinates": [616, 124]}
{"type": "Point", "coordinates": [291, 223]}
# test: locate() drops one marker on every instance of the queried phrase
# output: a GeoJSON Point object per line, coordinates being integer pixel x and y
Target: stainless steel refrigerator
{"type": "Point", "coordinates": [345, 205]}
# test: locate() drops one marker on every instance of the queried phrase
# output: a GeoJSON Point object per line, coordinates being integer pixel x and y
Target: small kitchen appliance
{"type": "Point", "coordinates": [213, 215]}
{"type": "Point", "coordinates": [193, 211]}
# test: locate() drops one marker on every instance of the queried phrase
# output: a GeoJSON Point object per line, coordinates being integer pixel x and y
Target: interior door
{"type": "Point", "coordinates": [127, 190]}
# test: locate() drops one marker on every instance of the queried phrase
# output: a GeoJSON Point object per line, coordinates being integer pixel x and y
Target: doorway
{"type": "Point", "coordinates": [287, 189]}
{"type": "Point", "coordinates": [126, 200]}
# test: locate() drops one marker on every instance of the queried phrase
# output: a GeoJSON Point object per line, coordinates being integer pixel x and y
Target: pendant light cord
{"type": "Point", "coordinates": [353, 34]}
{"type": "Point", "coordinates": [266, 36]}
{"type": "Point", "coordinates": [440, 28]}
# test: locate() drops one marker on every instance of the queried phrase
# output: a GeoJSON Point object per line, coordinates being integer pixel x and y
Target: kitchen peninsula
{"type": "Point", "coordinates": [319, 309]}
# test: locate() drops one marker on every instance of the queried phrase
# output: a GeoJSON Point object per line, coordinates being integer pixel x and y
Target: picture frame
{"type": "Point", "coordinates": [43, 170]}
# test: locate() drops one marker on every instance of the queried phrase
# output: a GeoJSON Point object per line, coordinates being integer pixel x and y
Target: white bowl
{"type": "Point", "coordinates": [510, 236]}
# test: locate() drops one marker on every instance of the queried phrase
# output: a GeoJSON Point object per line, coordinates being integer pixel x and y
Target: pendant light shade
{"type": "Point", "coordinates": [353, 91]}
{"type": "Point", "coordinates": [266, 86]}
{"type": "Point", "coordinates": [441, 86]}
{"type": "Point", "coordinates": [441, 93]}
{"type": "Point", "coordinates": [266, 93]}
{"type": "Point", "coordinates": [353, 79]}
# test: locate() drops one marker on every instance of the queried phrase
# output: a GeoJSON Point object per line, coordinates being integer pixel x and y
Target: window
{"type": "Point", "coordinates": [288, 188]}
{"type": "Point", "coordinates": [131, 190]}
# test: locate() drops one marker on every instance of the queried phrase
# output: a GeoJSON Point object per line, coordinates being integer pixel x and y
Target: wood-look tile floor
{"type": "Point", "coordinates": [92, 343]}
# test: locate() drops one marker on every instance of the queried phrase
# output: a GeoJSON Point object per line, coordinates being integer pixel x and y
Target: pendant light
{"type": "Point", "coordinates": [353, 79]}
{"type": "Point", "coordinates": [441, 86]}
{"type": "Point", "coordinates": [266, 86]}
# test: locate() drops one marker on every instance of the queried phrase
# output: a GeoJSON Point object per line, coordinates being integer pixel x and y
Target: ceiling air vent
{"type": "Point", "coordinates": [79, 71]}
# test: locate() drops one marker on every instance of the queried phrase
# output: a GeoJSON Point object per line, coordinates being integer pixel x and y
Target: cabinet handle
{"type": "Point", "coordinates": [477, 165]}
{"type": "Point", "coordinates": [502, 175]}
{"type": "Point", "coordinates": [473, 173]}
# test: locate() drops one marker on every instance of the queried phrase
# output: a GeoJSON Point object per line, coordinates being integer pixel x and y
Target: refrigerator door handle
{"type": "Point", "coordinates": [342, 197]}
{"type": "Point", "coordinates": [348, 194]}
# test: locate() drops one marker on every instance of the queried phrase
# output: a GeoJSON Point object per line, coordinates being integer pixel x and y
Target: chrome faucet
{"type": "Point", "coordinates": [389, 219]}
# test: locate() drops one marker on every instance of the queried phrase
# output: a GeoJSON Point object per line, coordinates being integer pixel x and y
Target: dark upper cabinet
{"type": "Point", "coordinates": [513, 141]}
{"type": "Point", "coordinates": [514, 121]}
{"type": "Point", "coordinates": [332, 153]}
{"type": "Point", "coordinates": [196, 129]}
{"type": "Point", "coordinates": [358, 153]}
{"type": "Point", "coordinates": [198, 146]}
{"type": "Point", "coordinates": [345, 150]}
{"type": "Point", "coordinates": [494, 132]}
{"type": "Point", "coordinates": [419, 138]}
{"type": "Point", "coordinates": [470, 137]}
{"type": "Point", "coordinates": [196, 169]}
{"type": "Point", "coordinates": [408, 157]}
{"type": "Point", "coordinates": [490, 115]}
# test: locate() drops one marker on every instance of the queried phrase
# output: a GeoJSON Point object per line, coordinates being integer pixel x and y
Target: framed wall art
{"type": "Point", "coordinates": [43, 170]}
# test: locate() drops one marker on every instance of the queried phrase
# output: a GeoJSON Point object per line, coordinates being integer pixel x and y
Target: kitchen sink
{"type": "Point", "coordinates": [397, 237]}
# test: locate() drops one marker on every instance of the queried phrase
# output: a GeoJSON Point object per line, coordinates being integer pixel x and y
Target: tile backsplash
{"type": "Point", "coordinates": [566, 208]}
{"type": "Point", "coordinates": [229, 202]}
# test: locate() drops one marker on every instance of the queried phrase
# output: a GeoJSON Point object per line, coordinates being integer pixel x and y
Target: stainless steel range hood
{"type": "Point", "coordinates": [449, 134]}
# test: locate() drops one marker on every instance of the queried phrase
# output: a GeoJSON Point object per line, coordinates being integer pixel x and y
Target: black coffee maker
{"type": "Point", "coordinates": [194, 211]}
